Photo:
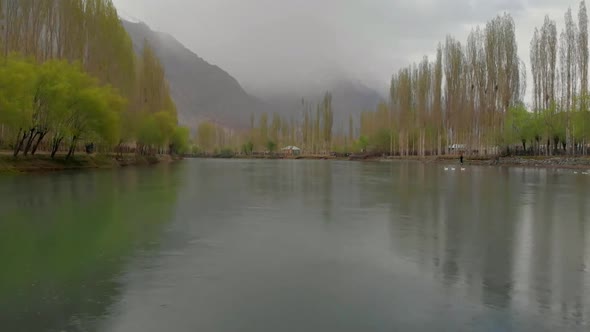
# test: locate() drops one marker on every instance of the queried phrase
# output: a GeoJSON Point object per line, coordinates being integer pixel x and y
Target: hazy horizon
{"type": "Point", "coordinates": [273, 48]}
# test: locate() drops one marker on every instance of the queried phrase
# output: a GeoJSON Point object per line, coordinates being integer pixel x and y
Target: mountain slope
{"type": "Point", "coordinates": [206, 92]}
{"type": "Point", "coordinates": [201, 91]}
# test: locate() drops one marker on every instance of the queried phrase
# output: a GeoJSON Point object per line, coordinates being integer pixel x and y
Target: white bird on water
{"type": "Point", "coordinates": [575, 172]}
{"type": "Point", "coordinates": [585, 173]}
{"type": "Point", "coordinates": [453, 169]}
{"type": "Point", "coordinates": [446, 169]}
{"type": "Point", "coordinates": [463, 169]}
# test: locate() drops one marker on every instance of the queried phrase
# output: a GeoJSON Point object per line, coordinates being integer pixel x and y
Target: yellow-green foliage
{"type": "Point", "coordinates": [59, 98]}
{"type": "Point", "coordinates": [69, 73]}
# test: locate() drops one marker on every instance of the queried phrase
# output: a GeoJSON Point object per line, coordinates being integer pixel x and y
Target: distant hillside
{"type": "Point", "coordinates": [353, 98]}
{"type": "Point", "coordinates": [206, 92]}
{"type": "Point", "coordinates": [349, 98]}
{"type": "Point", "coordinates": [200, 90]}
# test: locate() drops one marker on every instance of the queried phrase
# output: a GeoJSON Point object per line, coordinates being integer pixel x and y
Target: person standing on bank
{"type": "Point", "coordinates": [461, 159]}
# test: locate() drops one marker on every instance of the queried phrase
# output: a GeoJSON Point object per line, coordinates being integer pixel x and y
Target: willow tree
{"type": "Point", "coordinates": [17, 90]}
{"type": "Point", "coordinates": [95, 115]}
{"type": "Point", "coordinates": [88, 32]}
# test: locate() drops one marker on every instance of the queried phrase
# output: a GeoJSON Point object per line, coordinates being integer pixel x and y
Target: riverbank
{"type": "Point", "coordinates": [272, 157]}
{"type": "Point", "coordinates": [44, 163]}
{"type": "Point", "coordinates": [567, 162]}
{"type": "Point", "coordinates": [564, 162]}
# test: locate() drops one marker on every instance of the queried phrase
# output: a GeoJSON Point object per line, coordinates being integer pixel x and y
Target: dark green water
{"type": "Point", "coordinates": [295, 246]}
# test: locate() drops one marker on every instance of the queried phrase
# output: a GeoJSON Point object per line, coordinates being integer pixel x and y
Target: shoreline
{"type": "Point", "coordinates": [564, 162]}
{"type": "Point", "coordinates": [539, 162]}
{"type": "Point", "coordinates": [44, 164]}
{"type": "Point", "coordinates": [542, 162]}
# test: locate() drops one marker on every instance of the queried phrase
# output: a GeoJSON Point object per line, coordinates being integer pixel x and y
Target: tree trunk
{"type": "Point", "coordinates": [72, 148]}
{"type": "Point", "coordinates": [39, 140]}
{"type": "Point", "coordinates": [408, 143]}
{"type": "Point", "coordinates": [20, 141]}
{"type": "Point", "coordinates": [32, 137]}
{"type": "Point", "coordinates": [55, 146]}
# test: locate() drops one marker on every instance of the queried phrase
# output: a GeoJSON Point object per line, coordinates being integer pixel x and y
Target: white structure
{"type": "Point", "coordinates": [291, 150]}
{"type": "Point", "coordinates": [456, 147]}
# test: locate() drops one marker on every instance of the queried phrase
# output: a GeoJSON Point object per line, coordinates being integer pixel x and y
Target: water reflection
{"type": "Point", "coordinates": [65, 238]}
{"type": "Point", "coordinates": [515, 240]}
{"type": "Point", "coordinates": [510, 237]}
{"type": "Point", "coordinates": [323, 246]}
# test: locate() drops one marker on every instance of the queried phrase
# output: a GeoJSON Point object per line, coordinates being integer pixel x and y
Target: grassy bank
{"type": "Point", "coordinates": [44, 163]}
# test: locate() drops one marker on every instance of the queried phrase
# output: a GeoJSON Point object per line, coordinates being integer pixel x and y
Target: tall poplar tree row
{"type": "Point", "coordinates": [470, 99]}
{"type": "Point", "coordinates": [89, 39]}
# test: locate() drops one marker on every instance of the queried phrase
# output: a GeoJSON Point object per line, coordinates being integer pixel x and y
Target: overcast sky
{"type": "Point", "coordinates": [270, 44]}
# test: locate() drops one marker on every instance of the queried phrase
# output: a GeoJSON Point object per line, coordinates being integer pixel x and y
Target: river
{"type": "Point", "coordinates": [224, 245]}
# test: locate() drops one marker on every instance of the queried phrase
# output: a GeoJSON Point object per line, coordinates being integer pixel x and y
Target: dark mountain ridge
{"type": "Point", "coordinates": [202, 91]}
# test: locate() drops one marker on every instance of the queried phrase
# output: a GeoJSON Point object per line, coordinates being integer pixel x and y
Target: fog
{"type": "Point", "coordinates": [275, 46]}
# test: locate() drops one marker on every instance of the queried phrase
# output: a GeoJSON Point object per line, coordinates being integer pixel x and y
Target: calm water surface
{"type": "Point", "coordinates": [214, 245]}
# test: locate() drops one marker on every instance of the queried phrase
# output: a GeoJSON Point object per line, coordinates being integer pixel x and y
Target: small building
{"type": "Point", "coordinates": [457, 148]}
{"type": "Point", "coordinates": [291, 151]}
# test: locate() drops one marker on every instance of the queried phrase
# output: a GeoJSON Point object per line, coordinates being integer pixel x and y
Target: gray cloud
{"type": "Point", "coordinates": [273, 45]}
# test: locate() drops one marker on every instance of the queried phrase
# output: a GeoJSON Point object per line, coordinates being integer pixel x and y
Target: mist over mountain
{"type": "Point", "coordinates": [349, 98]}
{"type": "Point", "coordinates": [203, 91]}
